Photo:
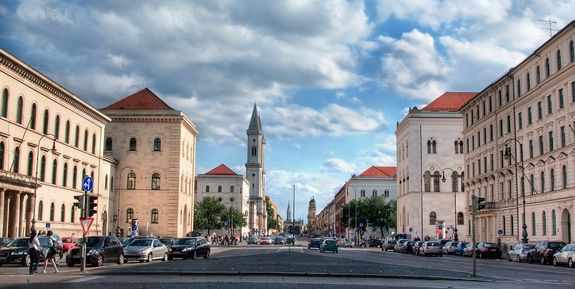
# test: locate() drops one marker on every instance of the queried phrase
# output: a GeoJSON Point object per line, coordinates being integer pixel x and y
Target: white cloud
{"type": "Point", "coordinates": [337, 165]}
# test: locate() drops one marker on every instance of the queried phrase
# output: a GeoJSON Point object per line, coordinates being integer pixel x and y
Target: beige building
{"type": "Point", "coordinates": [429, 146]}
{"type": "Point", "coordinates": [231, 189]}
{"type": "Point", "coordinates": [49, 140]}
{"type": "Point", "coordinates": [155, 150]}
{"type": "Point", "coordinates": [529, 110]}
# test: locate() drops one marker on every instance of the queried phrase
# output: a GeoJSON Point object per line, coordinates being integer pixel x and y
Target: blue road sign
{"type": "Point", "coordinates": [87, 184]}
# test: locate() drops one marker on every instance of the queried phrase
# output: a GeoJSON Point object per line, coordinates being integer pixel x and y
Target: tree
{"type": "Point", "coordinates": [271, 219]}
{"type": "Point", "coordinates": [238, 219]}
{"type": "Point", "coordinates": [374, 211]}
{"type": "Point", "coordinates": [381, 214]}
{"type": "Point", "coordinates": [208, 214]}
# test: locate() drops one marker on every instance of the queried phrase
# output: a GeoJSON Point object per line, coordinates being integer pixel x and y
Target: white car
{"type": "Point", "coordinates": [565, 256]}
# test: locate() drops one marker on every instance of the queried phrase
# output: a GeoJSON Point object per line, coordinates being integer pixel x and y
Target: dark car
{"type": "Point", "coordinates": [290, 240]}
{"type": "Point", "coordinates": [314, 243]}
{"type": "Point", "coordinates": [168, 241]}
{"type": "Point", "coordinates": [190, 248]}
{"type": "Point", "coordinates": [5, 241]}
{"type": "Point", "coordinates": [460, 248]}
{"type": "Point", "coordinates": [488, 250]}
{"type": "Point", "coordinates": [544, 250]}
{"type": "Point", "coordinates": [99, 249]}
{"type": "Point", "coordinates": [408, 248]}
{"type": "Point", "coordinates": [388, 245]}
{"type": "Point", "coordinates": [449, 247]}
{"type": "Point", "coordinates": [279, 240]}
{"type": "Point", "coordinates": [17, 251]}
{"type": "Point", "coordinates": [374, 242]}
{"type": "Point", "coordinates": [399, 244]}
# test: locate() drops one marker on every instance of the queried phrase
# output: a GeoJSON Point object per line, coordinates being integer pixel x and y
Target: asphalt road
{"type": "Point", "coordinates": [297, 267]}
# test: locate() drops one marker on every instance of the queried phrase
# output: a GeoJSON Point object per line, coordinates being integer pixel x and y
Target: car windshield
{"type": "Point", "coordinates": [186, 242]}
{"type": "Point", "coordinates": [330, 242]}
{"type": "Point", "coordinates": [556, 245]}
{"type": "Point", "coordinates": [432, 244]}
{"type": "Point", "coordinates": [19, 243]}
{"type": "Point", "coordinates": [94, 241]}
{"type": "Point", "coordinates": [141, 242]}
{"type": "Point", "coordinates": [489, 245]}
{"type": "Point", "coordinates": [166, 241]}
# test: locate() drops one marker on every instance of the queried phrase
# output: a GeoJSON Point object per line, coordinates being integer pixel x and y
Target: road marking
{"type": "Point", "coordinates": [295, 249]}
{"type": "Point", "coordinates": [85, 279]}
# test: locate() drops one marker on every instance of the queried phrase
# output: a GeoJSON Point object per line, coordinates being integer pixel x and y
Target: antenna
{"type": "Point", "coordinates": [549, 24]}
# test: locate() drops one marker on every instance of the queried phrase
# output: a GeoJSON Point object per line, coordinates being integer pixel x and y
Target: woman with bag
{"type": "Point", "coordinates": [34, 251]}
{"type": "Point", "coordinates": [51, 253]}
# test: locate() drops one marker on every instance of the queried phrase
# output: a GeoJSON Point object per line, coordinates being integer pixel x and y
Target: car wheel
{"type": "Point", "coordinates": [165, 258]}
{"type": "Point", "coordinates": [555, 261]}
{"type": "Point", "coordinates": [170, 257]}
{"type": "Point", "coordinates": [542, 260]}
{"type": "Point", "coordinates": [150, 258]}
{"type": "Point", "coordinates": [207, 255]}
{"type": "Point", "coordinates": [70, 264]}
{"type": "Point", "coordinates": [570, 263]}
{"type": "Point", "coordinates": [120, 259]}
{"type": "Point", "coordinates": [99, 261]}
{"type": "Point", "coordinates": [440, 255]}
{"type": "Point", "coordinates": [26, 262]}
{"type": "Point", "coordinates": [193, 255]}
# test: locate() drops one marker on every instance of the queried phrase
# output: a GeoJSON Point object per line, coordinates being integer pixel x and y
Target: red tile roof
{"type": "Point", "coordinates": [143, 99]}
{"type": "Point", "coordinates": [222, 170]}
{"type": "Point", "coordinates": [375, 171]}
{"type": "Point", "coordinates": [450, 101]}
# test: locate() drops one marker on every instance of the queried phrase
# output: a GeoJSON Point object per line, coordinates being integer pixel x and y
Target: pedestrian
{"type": "Point", "coordinates": [33, 252]}
{"type": "Point", "coordinates": [51, 252]}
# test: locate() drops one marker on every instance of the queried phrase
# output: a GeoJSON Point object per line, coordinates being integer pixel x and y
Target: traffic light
{"type": "Point", "coordinates": [92, 204]}
{"type": "Point", "coordinates": [79, 201]}
{"type": "Point", "coordinates": [480, 203]}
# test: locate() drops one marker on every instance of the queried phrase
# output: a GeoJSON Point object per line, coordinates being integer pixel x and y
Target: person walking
{"type": "Point", "coordinates": [51, 253]}
{"type": "Point", "coordinates": [34, 252]}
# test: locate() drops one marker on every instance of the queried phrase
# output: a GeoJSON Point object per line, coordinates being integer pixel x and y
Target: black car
{"type": "Point", "coordinates": [99, 249]}
{"type": "Point", "coordinates": [290, 240]}
{"type": "Point", "coordinates": [388, 244]}
{"type": "Point", "coordinates": [189, 248]}
{"type": "Point", "coordinates": [543, 251]}
{"type": "Point", "coordinates": [488, 250]}
{"type": "Point", "coordinates": [279, 240]}
{"type": "Point", "coordinates": [314, 243]}
{"type": "Point", "coordinates": [168, 241]}
{"type": "Point", "coordinates": [374, 243]}
{"type": "Point", "coordinates": [17, 251]}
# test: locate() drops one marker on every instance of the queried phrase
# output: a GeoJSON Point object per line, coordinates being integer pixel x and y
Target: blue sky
{"type": "Point", "coordinates": [331, 77]}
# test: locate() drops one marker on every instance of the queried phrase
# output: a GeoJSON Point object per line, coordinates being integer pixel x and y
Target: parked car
{"type": "Point", "coordinates": [99, 249]}
{"type": "Point", "coordinates": [168, 241]}
{"type": "Point", "coordinates": [519, 252]}
{"type": "Point", "coordinates": [408, 248]}
{"type": "Point", "coordinates": [314, 243]}
{"type": "Point", "coordinates": [374, 243]}
{"type": "Point", "coordinates": [460, 248]}
{"type": "Point", "coordinates": [290, 240]}
{"type": "Point", "coordinates": [279, 240]}
{"type": "Point", "coordinates": [565, 256]}
{"type": "Point", "coordinates": [544, 250]}
{"type": "Point", "coordinates": [252, 240]}
{"type": "Point", "coordinates": [449, 247]}
{"type": "Point", "coordinates": [388, 244]}
{"type": "Point", "coordinates": [5, 241]}
{"type": "Point", "coordinates": [416, 247]}
{"type": "Point", "coordinates": [488, 250]}
{"type": "Point", "coordinates": [265, 241]}
{"type": "Point", "coordinates": [432, 248]}
{"type": "Point", "coordinates": [399, 244]}
{"type": "Point", "coordinates": [469, 249]}
{"type": "Point", "coordinates": [328, 245]}
{"type": "Point", "coordinates": [191, 247]}
{"type": "Point", "coordinates": [348, 243]}
{"type": "Point", "coordinates": [69, 243]}
{"type": "Point", "coordinates": [146, 249]}
{"type": "Point", "coordinates": [16, 252]}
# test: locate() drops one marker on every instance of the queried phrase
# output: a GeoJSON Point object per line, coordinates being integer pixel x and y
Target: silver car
{"type": "Point", "coordinates": [146, 249]}
{"type": "Point", "coordinates": [565, 256]}
{"type": "Point", "coordinates": [431, 248]}
{"type": "Point", "coordinates": [519, 252]}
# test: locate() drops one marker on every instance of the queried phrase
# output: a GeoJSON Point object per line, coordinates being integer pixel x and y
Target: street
{"type": "Point", "coordinates": [257, 266]}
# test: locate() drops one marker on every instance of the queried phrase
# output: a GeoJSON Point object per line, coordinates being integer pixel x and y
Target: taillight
{"type": "Point", "coordinates": [549, 251]}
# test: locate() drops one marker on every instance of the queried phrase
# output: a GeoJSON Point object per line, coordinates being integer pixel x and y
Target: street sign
{"type": "Point", "coordinates": [47, 225]}
{"type": "Point", "coordinates": [87, 184]}
{"type": "Point", "coordinates": [361, 225]}
{"type": "Point", "coordinates": [86, 223]}
{"type": "Point", "coordinates": [500, 232]}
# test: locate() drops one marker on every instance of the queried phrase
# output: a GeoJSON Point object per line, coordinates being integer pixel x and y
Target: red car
{"type": "Point", "coordinates": [265, 241]}
{"type": "Point", "coordinates": [69, 243]}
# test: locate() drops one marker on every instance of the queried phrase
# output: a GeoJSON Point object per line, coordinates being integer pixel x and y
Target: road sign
{"type": "Point", "coordinates": [86, 223]}
{"type": "Point", "coordinates": [500, 232]}
{"type": "Point", "coordinates": [87, 184]}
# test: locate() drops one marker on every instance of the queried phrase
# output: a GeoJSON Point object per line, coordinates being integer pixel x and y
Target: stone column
{"type": "Point", "coordinates": [15, 215]}
{"type": "Point", "coordinates": [30, 201]}
{"type": "Point", "coordinates": [22, 215]}
{"type": "Point", "coordinates": [2, 216]}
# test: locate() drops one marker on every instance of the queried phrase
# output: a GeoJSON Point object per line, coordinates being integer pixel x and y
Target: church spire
{"type": "Point", "coordinates": [255, 122]}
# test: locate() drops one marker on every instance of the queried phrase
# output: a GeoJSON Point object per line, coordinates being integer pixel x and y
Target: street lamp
{"type": "Point", "coordinates": [508, 155]}
{"type": "Point", "coordinates": [455, 236]}
{"type": "Point", "coordinates": [53, 150]}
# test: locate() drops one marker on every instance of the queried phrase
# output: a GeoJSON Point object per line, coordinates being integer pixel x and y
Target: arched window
{"type": "Point", "coordinates": [43, 168]}
{"type": "Point", "coordinates": [111, 182]}
{"type": "Point", "coordinates": [207, 189]}
{"type": "Point", "coordinates": [504, 226]}
{"type": "Point", "coordinates": [132, 144]}
{"type": "Point", "coordinates": [40, 210]}
{"type": "Point", "coordinates": [538, 74]}
{"type": "Point", "coordinates": [54, 171]}
{"type": "Point", "coordinates": [362, 193]}
{"type": "Point", "coordinates": [19, 108]}
{"type": "Point", "coordinates": [5, 101]}
{"type": "Point", "coordinates": [454, 181]}
{"type": "Point", "coordinates": [1, 155]}
{"type": "Point", "coordinates": [460, 220]}
{"type": "Point", "coordinates": [108, 145]}
{"type": "Point", "coordinates": [155, 181]}
{"type": "Point", "coordinates": [106, 182]}
{"type": "Point", "coordinates": [74, 177]}
{"type": "Point", "coordinates": [374, 193]}
{"type": "Point", "coordinates": [30, 163]}
{"type": "Point", "coordinates": [65, 175]}
{"type": "Point", "coordinates": [254, 151]}
{"type": "Point", "coordinates": [231, 189]}
{"type": "Point", "coordinates": [432, 218]}
{"type": "Point", "coordinates": [129, 215]}
{"type": "Point", "coordinates": [57, 127]}
{"type": "Point", "coordinates": [52, 208]}
{"type": "Point", "coordinates": [544, 222]}
{"type": "Point", "coordinates": [528, 81]}
{"type": "Point", "coordinates": [67, 132]}
{"type": "Point", "coordinates": [131, 181]}
{"type": "Point", "coordinates": [564, 177]}
{"type": "Point", "coordinates": [427, 181]}
{"type": "Point", "coordinates": [46, 121]}
{"type": "Point", "coordinates": [32, 117]}
{"type": "Point", "coordinates": [93, 143]}
{"type": "Point", "coordinates": [386, 193]}
{"type": "Point", "coordinates": [533, 224]}
{"type": "Point", "coordinates": [63, 214]}
{"type": "Point", "coordinates": [547, 68]}
{"type": "Point", "coordinates": [571, 51]}
{"type": "Point", "coordinates": [77, 137]}
{"type": "Point", "coordinates": [434, 146]}
{"type": "Point", "coordinates": [558, 59]}
{"type": "Point", "coordinates": [436, 178]}
{"type": "Point", "coordinates": [219, 189]}
{"type": "Point", "coordinates": [16, 160]}
{"type": "Point", "coordinates": [157, 144]}
{"type": "Point", "coordinates": [553, 223]}
{"type": "Point", "coordinates": [72, 215]}
{"type": "Point", "coordinates": [154, 219]}
{"type": "Point", "coordinates": [86, 140]}
{"type": "Point", "coordinates": [428, 146]}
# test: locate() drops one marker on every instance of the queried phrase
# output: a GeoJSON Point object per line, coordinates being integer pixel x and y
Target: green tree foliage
{"type": "Point", "coordinates": [272, 222]}
{"type": "Point", "coordinates": [374, 211]}
{"type": "Point", "coordinates": [208, 214]}
{"type": "Point", "coordinates": [238, 219]}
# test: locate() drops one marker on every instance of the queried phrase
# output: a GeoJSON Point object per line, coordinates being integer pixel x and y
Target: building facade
{"type": "Point", "coordinates": [430, 150]}
{"type": "Point", "coordinates": [520, 146]}
{"type": "Point", "coordinates": [49, 140]}
{"type": "Point", "coordinates": [256, 174]}
{"type": "Point", "coordinates": [311, 216]}
{"type": "Point", "coordinates": [155, 150]}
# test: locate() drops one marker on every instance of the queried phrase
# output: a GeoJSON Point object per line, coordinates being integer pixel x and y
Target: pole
{"type": "Point", "coordinates": [84, 240]}
{"type": "Point", "coordinates": [293, 218]}
{"type": "Point", "coordinates": [455, 237]}
{"type": "Point", "coordinates": [474, 208]}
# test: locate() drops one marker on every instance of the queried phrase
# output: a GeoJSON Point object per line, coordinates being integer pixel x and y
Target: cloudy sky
{"type": "Point", "coordinates": [330, 77]}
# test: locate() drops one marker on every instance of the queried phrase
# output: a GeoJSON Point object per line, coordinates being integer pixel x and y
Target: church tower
{"type": "Point", "coordinates": [255, 173]}
{"type": "Point", "coordinates": [311, 216]}
{"type": "Point", "coordinates": [288, 216]}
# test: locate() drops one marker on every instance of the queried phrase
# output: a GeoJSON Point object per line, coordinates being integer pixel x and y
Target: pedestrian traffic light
{"type": "Point", "coordinates": [92, 204]}
{"type": "Point", "coordinates": [79, 201]}
{"type": "Point", "coordinates": [480, 203]}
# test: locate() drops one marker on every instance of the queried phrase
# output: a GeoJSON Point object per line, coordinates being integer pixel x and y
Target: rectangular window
{"type": "Point", "coordinates": [561, 103]}
{"type": "Point", "coordinates": [507, 93]}
{"type": "Point", "coordinates": [500, 103]}
{"type": "Point", "coordinates": [479, 166]}
{"type": "Point", "coordinates": [549, 105]}
{"type": "Point", "coordinates": [471, 116]}
{"type": "Point", "coordinates": [500, 127]}
{"type": "Point", "coordinates": [500, 159]}
{"type": "Point", "coordinates": [467, 145]}
{"type": "Point", "coordinates": [478, 138]}
{"type": "Point", "coordinates": [477, 111]}
{"type": "Point", "coordinates": [563, 137]}
{"type": "Point", "coordinates": [519, 120]}
{"type": "Point", "coordinates": [529, 118]}
{"type": "Point", "coordinates": [521, 152]}
{"type": "Point", "coordinates": [550, 140]}
{"type": "Point", "coordinates": [490, 132]}
{"type": "Point", "coordinates": [491, 162]}
{"type": "Point", "coordinates": [539, 110]}
{"type": "Point", "coordinates": [484, 165]}
{"type": "Point", "coordinates": [508, 123]}
{"type": "Point", "coordinates": [484, 111]}
{"type": "Point", "coordinates": [484, 135]}
{"type": "Point", "coordinates": [467, 120]}
{"type": "Point", "coordinates": [541, 148]}
{"type": "Point", "coordinates": [530, 149]}
{"type": "Point", "coordinates": [473, 168]}
{"type": "Point", "coordinates": [573, 91]}
{"type": "Point", "coordinates": [491, 106]}
{"type": "Point", "coordinates": [472, 143]}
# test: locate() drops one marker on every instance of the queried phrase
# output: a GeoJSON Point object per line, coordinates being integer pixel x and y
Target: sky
{"type": "Point", "coordinates": [331, 78]}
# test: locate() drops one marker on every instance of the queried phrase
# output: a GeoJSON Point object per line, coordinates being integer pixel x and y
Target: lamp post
{"type": "Point", "coordinates": [455, 236]}
{"type": "Point", "coordinates": [53, 150]}
{"type": "Point", "coordinates": [507, 154]}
